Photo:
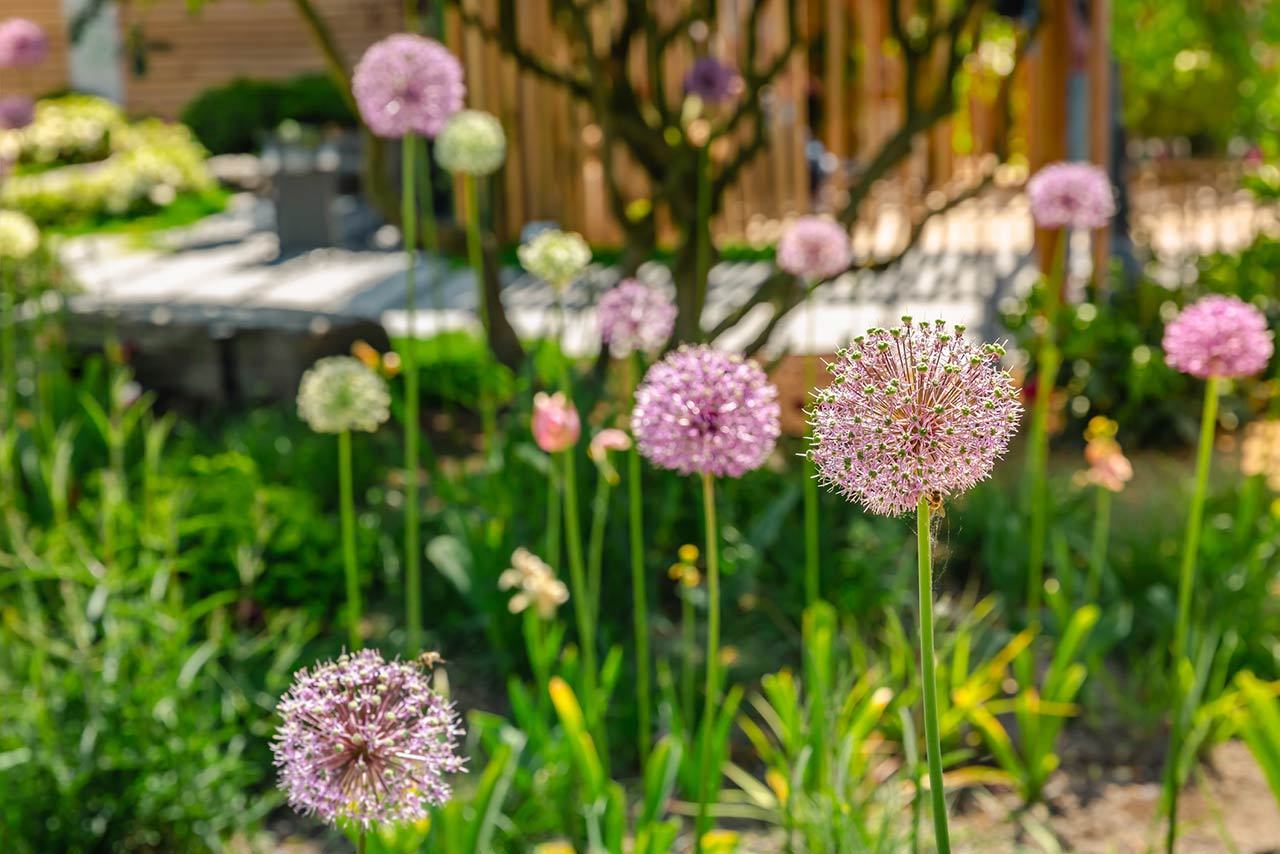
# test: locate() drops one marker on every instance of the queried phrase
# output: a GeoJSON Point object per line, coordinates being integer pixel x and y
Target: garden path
{"type": "Point", "coordinates": [225, 275]}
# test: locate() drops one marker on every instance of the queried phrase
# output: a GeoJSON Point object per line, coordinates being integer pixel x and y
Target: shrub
{"type": "Point", "coordinates": [259, 107]}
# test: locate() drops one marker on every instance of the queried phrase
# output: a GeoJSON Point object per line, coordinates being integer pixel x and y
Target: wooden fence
{"type": "Point", "coordinates": [846, 91]}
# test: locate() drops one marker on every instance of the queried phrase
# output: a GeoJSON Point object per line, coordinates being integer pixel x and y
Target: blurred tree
{"type": "Point", "coordinates": [637, 116]}
{"type": "Point", "coordinates": [1207, 70]}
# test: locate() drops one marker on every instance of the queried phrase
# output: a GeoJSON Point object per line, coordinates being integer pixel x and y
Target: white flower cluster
{"type": "Point", "coordinates": [19, 236]}
{"type": "Point", "coordinates": [555, 256]}
{"type": "Point", "coordinates": [341, 393]}
{"type": "Point", "coordinates": [472, 142]}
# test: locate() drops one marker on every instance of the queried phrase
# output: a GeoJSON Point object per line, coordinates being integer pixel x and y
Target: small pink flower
{"type": "Point", "coordinates": [22, 43]}
{"type": "Point", "coordinates": [815, 248]}
{"type": "Point", "coordinates": [16, 112]}
{"type": "Point", "coordinates": [556, 426]}
{"type": "Point", "coordinates": [1071, 195]}
{"type": "Point", "coordinates": [1109, 468]}
{"type": "Point", "coordinates": [609, 439]}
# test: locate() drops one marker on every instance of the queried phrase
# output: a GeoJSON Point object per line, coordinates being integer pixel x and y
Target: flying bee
{"type": "Point", "coordinates": [429, 660]}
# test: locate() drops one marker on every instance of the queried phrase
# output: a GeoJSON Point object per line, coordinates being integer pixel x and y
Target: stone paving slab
{"type": "Point", "coordinates": [226, 273]}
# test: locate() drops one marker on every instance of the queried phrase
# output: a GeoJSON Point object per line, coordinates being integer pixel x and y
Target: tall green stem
{"type": "Point", "coordinates": [1186, 582]}
{"type": "Point", "coordinates": [554, 507]}
{"type": "Point", "coordinates": [702, 247]}
{"type": "Point", "coordinates": [929, 680]}
{"type": "Point", "coordinates": [8, 344]}
{"type": "Point", "coordinates": [1098, 549]}
{"type": "Point", "coordinates": [475, 252]}
{"type": "Point", "coordinates": [595, 544]}
{"type": "Point", "coordinates": [347, 501]}
{"type": "Point", "coordinates": [361, 843]}
{"type": "Point", "coordinates": [412, 419]}
{"type": "Point", "coordinates": [1047, 361]}
{"type": "Point", "coordinates": [712, 700]}
{"type": "Point", "coordinates": [639, 595]}
{"type": "Point", "coordinates": [581, 602]}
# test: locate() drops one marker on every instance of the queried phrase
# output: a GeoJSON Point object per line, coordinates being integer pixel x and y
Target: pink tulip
{"type": "Point", "coordinates": [556, 426]}
{"type": "Point", "coordinates": [609, 439]}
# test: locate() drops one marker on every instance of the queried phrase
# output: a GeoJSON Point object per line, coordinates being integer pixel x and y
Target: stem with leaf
{"type": "Point", "coordinates": [929, 679]}
{"type": "Point", "coordinates": [1186, 583]}
{"type": "Point", "coordinates": [581, 601]}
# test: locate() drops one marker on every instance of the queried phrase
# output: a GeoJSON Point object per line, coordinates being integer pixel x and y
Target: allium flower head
{"type": "Point", "coordinates": [635, 318]}
{"type": "Point", "coordinates": [712, 81]}
{"type": "Point", "coordinates": [555, 256]}
{"type": "Point", "coordinates": [815, 248]}
{"type": "Point", "coordinates": [1219, 336]}
{"type": "Point", "coordinates": [16, 112]}
{"type": "Point", "coordinates": [19, 237]}
{"type": "Point", "coordinates": [471, 142]}
{"type": "Point", "coordinates": [556, 425]}
{"type": "Point", "coordinates": [365, 740]}
{"type": "Point", "coordinates": [406, 84]}
{"type": "Point", "coordinates": [535, 584]}
{"type": "Point", "coordinates": [340, 393]}
{"type": "Point", "coordinates": [704, 410]}
{"type": "Point", "coordinates": [1071, 195]}
{"type": "Point", "coordinates": [22, 43]}
{"type": "Point", "coordinates": [914, 411]}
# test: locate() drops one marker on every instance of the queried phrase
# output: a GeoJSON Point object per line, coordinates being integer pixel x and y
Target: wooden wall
{"type": "Point", "coordinates": [229, 38]}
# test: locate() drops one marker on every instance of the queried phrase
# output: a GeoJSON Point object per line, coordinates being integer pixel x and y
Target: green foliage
{"type": "Point", "coordinates": [259, 107]}
{"type": "Point", "coordinates": [1112, 363]}
{"type": "Point", "coordinates": [81, 163]}
{"type": "Point", "coordinates": [1199, 70]}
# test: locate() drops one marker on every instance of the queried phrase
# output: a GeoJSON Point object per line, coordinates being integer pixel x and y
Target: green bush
{"type": "Point", "coordinates": [259, 107]}
{"type": "Point", "coordinates": [81, 162]}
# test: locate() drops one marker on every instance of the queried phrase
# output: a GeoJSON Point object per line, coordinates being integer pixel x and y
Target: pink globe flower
{"type": "Point", "coordinates": [635, 318]}
{"type": "Point", "coordinates": [556, 426]}
{"type": "Point", "coordinates": [366, 741]}
{"type": "Point", "coordinates": [407, 84]}
{"type": "Point", "coordinates": [1219, 336]}
{"type": "Point", "coordinates": [915, 411]}
{"type": "Point", "coordinates": [16, 112]}
{"type": "Point", "coordinates": [707, 411]}
{"type": "Point", "coordinates": [1071, 195]}
{"type": "Point", "coordinates": [712, 81]}
{"type": "Point", "coordinates": [22, 43]}
{"type": "Point", "coordinates": [815, 248]}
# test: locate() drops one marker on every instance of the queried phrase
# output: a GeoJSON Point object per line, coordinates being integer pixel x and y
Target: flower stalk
{"type": "Point", "coordinates": [929, 679]}
{"type": "Point", "coordinates": [346, 500]}
{"type": "Point", "coordinates": [412, 419]}
{"type": "Point", "coordinates": [706, 774]}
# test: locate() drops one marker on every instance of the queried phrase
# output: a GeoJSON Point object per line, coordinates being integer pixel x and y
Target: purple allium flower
{"type": "Point", "coordinates": [16, 112]}
{"type": "Point", "coordinates": [913, 411]}
{"type": "Point", "coordinates": [1071, 195]}
{"type": "Point", "coordinates": [712, 80]}
{"type": "Point", "coordinates": [815, 248]}
{"type": "Point", "coordinates": [22, 43]}
{"type": "Point", "coordinates": [1219, 336]}
{"type": "Point", "coordinates": [635, 318]}
{"type": "Point", "coordinates": [408, 84]}
{"type": "Point", "coordinates": [704, 410]}
{"type": "Point", "coordinates": [365, 740]}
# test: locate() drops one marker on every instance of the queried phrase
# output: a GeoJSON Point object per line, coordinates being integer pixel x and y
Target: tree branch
{"type": "Point", "coordinates": [504, 36]}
